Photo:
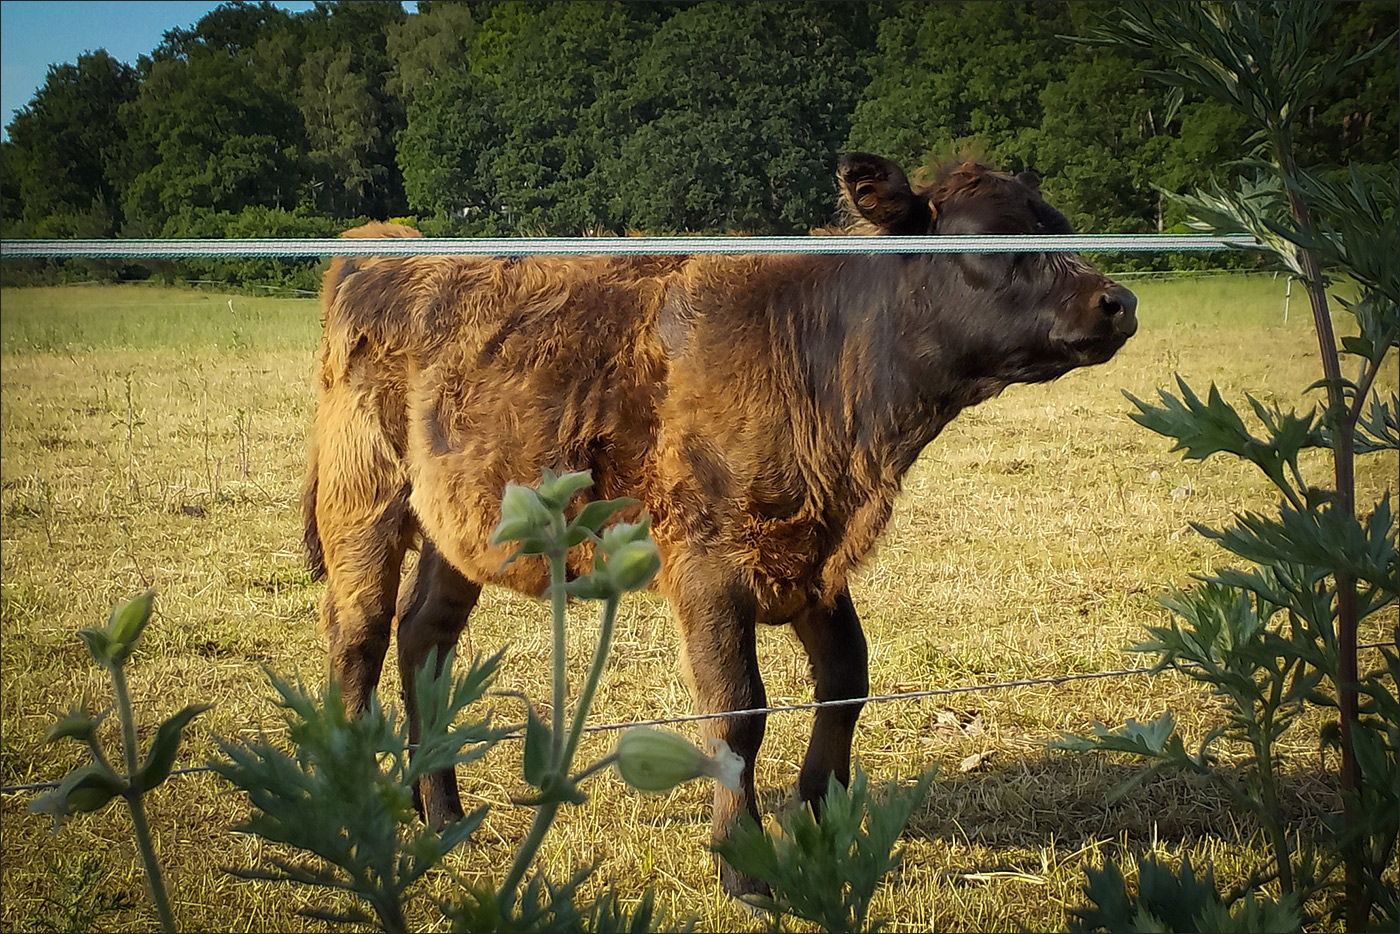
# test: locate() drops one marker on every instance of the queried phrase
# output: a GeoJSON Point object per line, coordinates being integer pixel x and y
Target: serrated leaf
{"type": "Point", "coordinates": [1200, 429]}
{"type": "Point", "coordinates": [827, 870]}
{"type": "Point", "coordinates": [1378, 427]}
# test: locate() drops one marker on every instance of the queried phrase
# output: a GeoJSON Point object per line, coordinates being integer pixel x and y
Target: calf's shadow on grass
{"type": "Point", "coordinates": [1068, 802]}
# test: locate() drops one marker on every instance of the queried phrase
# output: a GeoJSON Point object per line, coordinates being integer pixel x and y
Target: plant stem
{"type": "Point", "coordinates": [544, 817]}
{"type": "Point", "coordinates": [155, 881]}
{"type": "Point", "coordinates": [388, 909]}
{"type": "Point", "coordinates": [559, 760]}
{"type": "Point", "coordinates": [559, 602]}
{"type": "Point", "coordinates": [1343, 424]}
{"type": "Point", "coordinates": [1268, 789]}
{"type": "Point", "coordinates": [595, 673]}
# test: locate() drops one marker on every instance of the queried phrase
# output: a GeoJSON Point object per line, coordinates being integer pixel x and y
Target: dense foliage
{"type": "Point", "coordinates": [531, 117]}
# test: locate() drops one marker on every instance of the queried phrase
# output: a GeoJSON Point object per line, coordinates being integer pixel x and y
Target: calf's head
{"type": "Point", "coordinates": [1040, 313]}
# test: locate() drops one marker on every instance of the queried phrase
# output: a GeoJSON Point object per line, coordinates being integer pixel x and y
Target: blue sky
{"type": "Point", "coordinates": [35, 34]}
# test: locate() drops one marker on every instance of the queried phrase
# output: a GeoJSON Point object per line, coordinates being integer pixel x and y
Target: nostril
{"type": "Point", "coordinates": [1117, 301]}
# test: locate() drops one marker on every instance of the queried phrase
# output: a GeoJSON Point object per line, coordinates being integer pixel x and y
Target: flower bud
{"type": "Point", "coordinates": [658, 760]}
{"type": "Point", "coordinates": [634, 565]}
{"type": "Point", "coordinates": [623, 533]}
{"type": "Point", "coordinates": [522, 515]}
{"type": "Point", "coordinates": [129, 619]}
{"type": "Point", "coordinates": [556, 491]}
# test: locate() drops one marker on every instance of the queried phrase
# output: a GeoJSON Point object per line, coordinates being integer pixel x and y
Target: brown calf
{"type": "Point", "coordinates": [764, 409]}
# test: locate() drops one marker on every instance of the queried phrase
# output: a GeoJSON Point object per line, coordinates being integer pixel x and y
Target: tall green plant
{"type": "Point", "coordinates": [826, 871]}
{"type": "Point", "coordinates": [1281, 633]}
{"type": "Point", "coordinates": [94, 785]}
{"type": "Point", "coordinates": [346, 795]}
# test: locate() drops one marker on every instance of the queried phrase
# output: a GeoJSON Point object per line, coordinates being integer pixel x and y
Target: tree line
{"type": "Point", "coordinates": [524, 118]}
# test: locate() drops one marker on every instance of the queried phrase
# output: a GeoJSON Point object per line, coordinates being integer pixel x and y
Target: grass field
{"type": "Point", "coordinates": [156, 438]}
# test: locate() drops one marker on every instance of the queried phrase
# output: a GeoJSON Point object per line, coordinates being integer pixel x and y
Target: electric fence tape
{"type": "Point", "coordinates": [613, 246]}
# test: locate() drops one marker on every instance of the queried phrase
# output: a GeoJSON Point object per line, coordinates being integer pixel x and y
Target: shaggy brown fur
{"type": "Point", "coordinates": [764, 409]}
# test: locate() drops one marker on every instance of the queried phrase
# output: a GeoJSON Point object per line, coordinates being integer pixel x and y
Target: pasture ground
{"type": "Point", "coordinates": [156, 438]}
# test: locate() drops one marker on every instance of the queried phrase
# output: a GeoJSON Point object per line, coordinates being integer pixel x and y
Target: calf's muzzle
{"type": "Point", "coordinates": [1119, 305]}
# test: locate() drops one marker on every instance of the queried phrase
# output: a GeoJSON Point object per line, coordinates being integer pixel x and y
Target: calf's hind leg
{"type": "Point", "coordinates": [433, 612]}
{"type": "Point", "coordinates": [836, 646]}
{"type": "Point", "coordinates": [362, 581]}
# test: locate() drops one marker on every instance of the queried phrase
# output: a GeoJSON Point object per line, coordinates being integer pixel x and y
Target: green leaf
{"type": "Point", "coordinates": [441, 700]}
{"type": "Point", "coordinates": [161, 755]}
{"type": "Point", "coordinates": [826, 871]}
{"type": "Point", "coordinates": [98, 644]}
{"type": "Point", "coordinates": [1378, 427]}
{"type": "Point", "coordinates": [594, 514]}
{"type": "Point", "coordinates": [1327, 537]}
{"type": "Point", "coordinates": [77, 724]}
{"type": "Point", "coordinates": [84, 789]}
{"type": "Point", "coordinates": [538, 750]}
{"type": "Point", "coordinates": [595, 586]}
{"type": "Point", "coordinates": [1200, 429]}
{"type": "Point", "coordinates": [1173, 900]}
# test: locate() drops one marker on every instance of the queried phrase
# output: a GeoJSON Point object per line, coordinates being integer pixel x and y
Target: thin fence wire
{"type": "Point", "coordinates": [786, 708]}
{"type": "Point", "coordinates": [615, 246]}
{"type": "Point", "coordinates": [751, 711]}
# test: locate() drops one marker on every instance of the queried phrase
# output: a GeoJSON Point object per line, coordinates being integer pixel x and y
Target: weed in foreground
{"type": "Point", "coordinates": [93, 786]}
{"type": "Point", "coordinates": [1279, 635]}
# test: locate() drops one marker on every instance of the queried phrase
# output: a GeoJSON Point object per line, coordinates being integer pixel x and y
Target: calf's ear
{"type": "Point", "coordinates": [878, 190]}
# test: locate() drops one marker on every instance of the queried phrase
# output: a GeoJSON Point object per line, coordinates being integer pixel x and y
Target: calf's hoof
{"type": "Point", "coordinates": [743, 889]}
{"type": "Point", "coordinates": [436, 800]}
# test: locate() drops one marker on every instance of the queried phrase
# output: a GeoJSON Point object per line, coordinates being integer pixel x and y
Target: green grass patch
{"type": "Point", "coordinates": [78, 319]}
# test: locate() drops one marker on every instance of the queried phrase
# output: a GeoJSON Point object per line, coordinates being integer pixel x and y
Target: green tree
{"type": "Point", "coordinates": [740, 111]}
{"type": "Point", "coordinates": [428, 48]}
{"type": "Point", "coordinates": [345, 133]}
{"type": "Point", "coordinates": [453, 129]}
{"type": "Point", "coordinates": [206, 133]}
{"type": "Point", "coordinates": [351, 118]}
{"type": "Point", "coordinates": [60, 150]}
{"type": "Point", "coordinates": [562, 79]}
{"type": "Point", "coordinates": [1359, 119]}
{"type": "Point", "coordinates": [964, 76]}
{"type": "Point", "coordinates": [232, 27]}
{"type": "Point", "coordinates": [1101, 144]}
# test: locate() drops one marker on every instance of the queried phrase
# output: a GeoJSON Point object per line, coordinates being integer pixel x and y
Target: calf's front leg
{"type": "Point", "coordinates": [716, 615]}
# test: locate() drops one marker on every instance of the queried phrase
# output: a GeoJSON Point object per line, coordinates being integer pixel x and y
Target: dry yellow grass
{"type": "Point", "coordinates": [156, 438]}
